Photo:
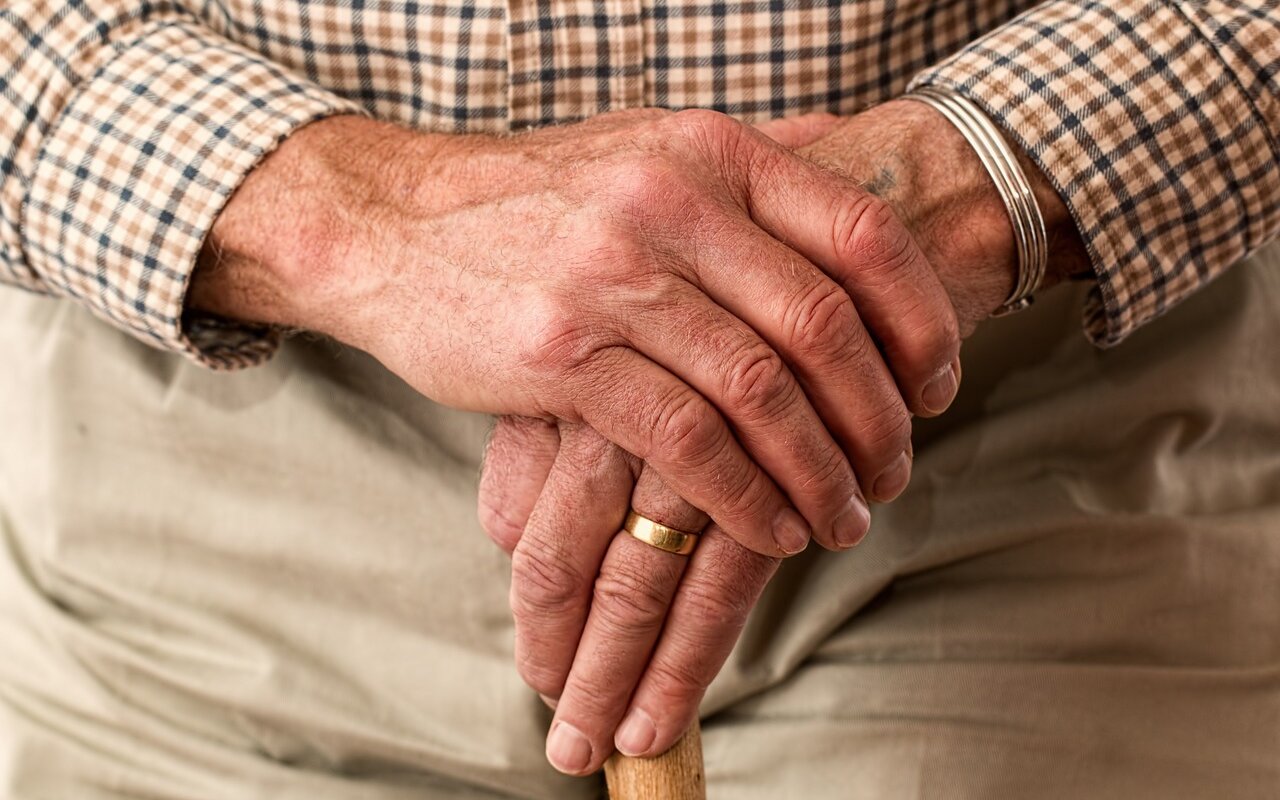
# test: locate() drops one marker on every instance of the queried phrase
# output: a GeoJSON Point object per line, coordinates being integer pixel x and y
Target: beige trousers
{"type": "Point", "coordinates": [271, 584]}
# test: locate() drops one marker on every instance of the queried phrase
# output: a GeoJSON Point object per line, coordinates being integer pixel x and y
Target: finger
{"type": "Point", "coordinates": [718, 354]}
{"type": "Point", "coordinates": [859, 241]}
{"type": "Point", "coordinates": [799, 131]}
{"type": "Point", "coordinates": [720, 587]}
{"type": "Point", "coordinates": [517, 460]}
{"type": "Point", "coordinates": [632, 593]}
{"type": "Point", "coordinates": [555, 564]}
{"type": "Point", "coordinates": [812, 322]}
{"type": "Point", "coordinates": [855, 238]}
{"type": "Point", "coordinates": [653, 499]}
{"type": "Point", "coordinates": [652, 414]}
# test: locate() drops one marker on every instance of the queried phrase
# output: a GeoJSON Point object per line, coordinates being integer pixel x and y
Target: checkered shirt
{"type": "Point", "coordinates": [126, 124]}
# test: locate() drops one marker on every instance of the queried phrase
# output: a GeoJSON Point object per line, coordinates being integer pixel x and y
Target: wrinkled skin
{"type": "Point", "coordinates": [624, 637]}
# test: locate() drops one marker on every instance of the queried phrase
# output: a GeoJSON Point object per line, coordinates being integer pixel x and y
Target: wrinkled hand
{"type": "Point", "coordinates": [644, 644]}
{"type": "Point", "coordinates": [617, 634]}
{"type": "Point", "coordinates": [678, 281]}
{"type": "Point", "coordinates": [590, 602]}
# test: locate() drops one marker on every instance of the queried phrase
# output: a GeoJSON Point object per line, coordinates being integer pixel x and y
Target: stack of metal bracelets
{"type": "Point", "coordinates": [1011, 182]}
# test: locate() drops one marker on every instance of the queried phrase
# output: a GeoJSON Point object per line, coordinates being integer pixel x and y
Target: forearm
{"type": "Point", "coordinates": [293, 246]}
{"type": "Point", "coordinates": [1157, 121]}
{"type": "Point", "coordinates": [281, 252]}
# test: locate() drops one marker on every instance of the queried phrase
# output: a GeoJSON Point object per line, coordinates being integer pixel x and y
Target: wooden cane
{"type": "Point", "coordinates": [675, 775]}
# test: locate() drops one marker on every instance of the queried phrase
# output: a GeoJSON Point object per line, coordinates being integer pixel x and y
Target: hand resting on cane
{"type": "Point", "coordinates": [625, 637]}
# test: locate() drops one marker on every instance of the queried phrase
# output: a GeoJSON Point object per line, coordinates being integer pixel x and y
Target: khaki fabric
{"type": "Point", "coordinates": [271, 584]}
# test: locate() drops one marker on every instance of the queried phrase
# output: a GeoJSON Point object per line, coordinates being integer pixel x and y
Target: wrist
{"type": "Point", "coordinates": [294, 245]}
{"type": "Point", "coordinates": [915, 159]}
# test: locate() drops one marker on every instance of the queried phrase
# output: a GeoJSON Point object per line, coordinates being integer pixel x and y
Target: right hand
{"type": "Point", "coordinates": [677, 281]}
{"type": "Point", "coordinates": [608, 628]}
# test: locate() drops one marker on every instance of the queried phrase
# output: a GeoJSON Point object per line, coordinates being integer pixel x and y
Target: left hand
{"type": "Point", "coordinates": [658, 627]}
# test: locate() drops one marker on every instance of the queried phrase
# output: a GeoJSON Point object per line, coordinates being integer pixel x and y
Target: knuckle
{"type": "Point", "coordinates": [628, 600]}
{"type": "Point", "coordinates": [555, 338]}
{"type": "Point", "coordinates": [543, 584]}
{"type": "Point", "coordinates": [648, 200]}
{"type": "Point", "coordinates": [860, 349]}
{"type": "Point", "coordinates": [867, 231]}
{"type": "Point", "coordinates": [655, 294]}
{"type": "Point", "coordinates": [827, 477]}
{"type": "Point", "coordinates": [589, 456]}
{"type": "Point", "coordinates": [924, 334]}
{"type": "Point", "coordinates": [823, 321]}
{"type": "Point", "coordinates": [514, 436]}
{"type": "Point", "coordinates": [747, 495]}
{"type": "Point", "coordinates": [718, 604]}
{"type": "Point", "coordinates": [717, 135]}
{"type": "Point", "coordinates": [758, 383]}
{"type": "Point", "coordinates": [680, 678]}
{"type": "Point", "coordinates": [635, 183]}
{"type": "Point", "coordinates": [741, 496]}
{"type": "Point", "coordinates": [748, 570]}
{"type": "Point", "coordinates": [885, 432]}
{"type": "Point", "coordinates": [754, 494]}
{"type": "Point", "coordinates": [688, 430]}
{"type": "Point", "coordinates": [705, 124]}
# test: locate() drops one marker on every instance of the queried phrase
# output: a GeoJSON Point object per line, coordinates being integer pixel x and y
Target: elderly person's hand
{"type": "Point", "coordinates": [591, 603]}
{"type": "Point", "coordinates": [623, 636]}
{"type": "Point", "coordinates": [678, 281]}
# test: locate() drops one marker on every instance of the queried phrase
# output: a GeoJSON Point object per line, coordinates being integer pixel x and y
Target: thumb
{"type": "Point", "coordinates": [793, 132]}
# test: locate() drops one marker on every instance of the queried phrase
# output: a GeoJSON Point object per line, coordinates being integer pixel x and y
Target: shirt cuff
{"type": "Point", "coordinates": [137, 166]}
{"type": "Point", "coordinates": [1164, 160]}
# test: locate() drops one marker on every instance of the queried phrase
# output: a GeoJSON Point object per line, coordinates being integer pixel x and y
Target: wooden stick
{"type": "Point", "coordinates": [675, 775]}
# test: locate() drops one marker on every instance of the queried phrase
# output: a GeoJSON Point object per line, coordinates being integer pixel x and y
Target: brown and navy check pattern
{"type": "Point", "coordinates": [126, 124]}
{"type": "Point", "coordinates": [1159, 124]}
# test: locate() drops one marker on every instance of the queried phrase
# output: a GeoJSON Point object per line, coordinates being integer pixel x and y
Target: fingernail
{"type": "Point", "coordinates": [636, 734]}
{"type": "Point", "coordinates": [790, 532]}
{"type": "Point", "coordinates": [550, 701]}
{"type": "Point", "coordinates": [853, 522]}
{"type": "Point", "coordinates": [941, 389]}
{"type": "Point", "coordinates": [894, 479]}
{"type": "Point", "coordinates": [567, 749]}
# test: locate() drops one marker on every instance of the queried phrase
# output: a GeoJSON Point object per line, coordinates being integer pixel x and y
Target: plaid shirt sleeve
{"type": "Point", "coordinates": [124, 127]}
{"type": "Point", "coordinates": [126, 124]}
{"type": "Point", "coordinates": [1157, 122]}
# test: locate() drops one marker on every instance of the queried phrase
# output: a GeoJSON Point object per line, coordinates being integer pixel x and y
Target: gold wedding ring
{"type": "Point", "coordinates": [660, 536]}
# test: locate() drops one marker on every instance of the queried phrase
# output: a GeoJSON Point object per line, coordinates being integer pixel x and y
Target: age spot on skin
{"type": "Point", "coordinates": [883, 182]}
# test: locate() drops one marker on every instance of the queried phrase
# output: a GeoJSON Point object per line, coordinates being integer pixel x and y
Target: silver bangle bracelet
{"type": "Point", "coordinates": [1030, 238]}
